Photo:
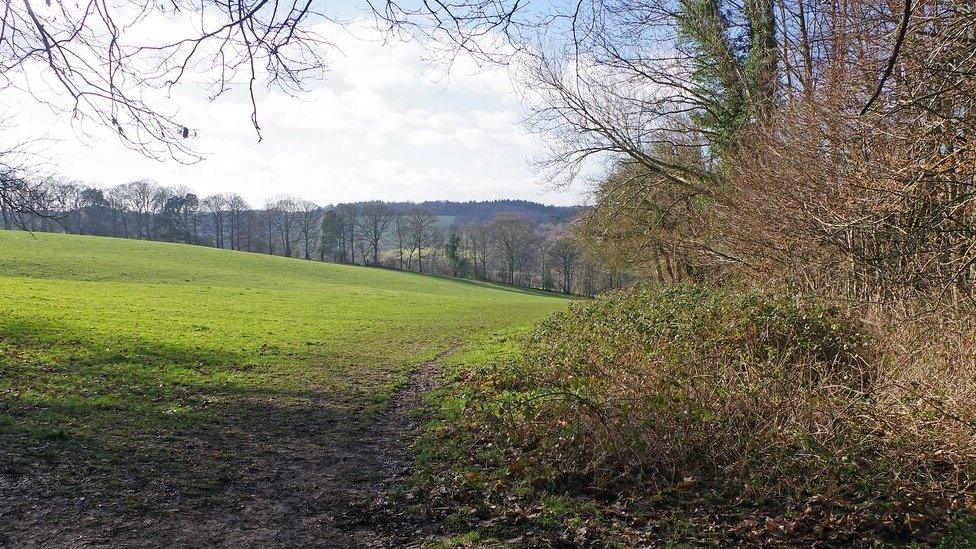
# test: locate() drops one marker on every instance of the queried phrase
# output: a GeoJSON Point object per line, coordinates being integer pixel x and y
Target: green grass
{"type": "Point", "coordinates": [112, 347]}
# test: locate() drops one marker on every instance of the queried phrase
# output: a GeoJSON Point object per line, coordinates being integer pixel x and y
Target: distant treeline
{"type": "Point", "coordinates": [483, 211]}
{"type": "Point", "coordinates": [513, 242]}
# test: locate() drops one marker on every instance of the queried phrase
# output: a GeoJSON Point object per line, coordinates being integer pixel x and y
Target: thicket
{"type": "Point", "coordinates": [703, 400]}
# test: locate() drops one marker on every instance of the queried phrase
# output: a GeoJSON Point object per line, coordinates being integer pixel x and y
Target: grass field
{"type": "Point", "coordinates": [156, 378]}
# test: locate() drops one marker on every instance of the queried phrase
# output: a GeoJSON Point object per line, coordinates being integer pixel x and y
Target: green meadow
{"type": "Point", "coordinates": [122, 360]}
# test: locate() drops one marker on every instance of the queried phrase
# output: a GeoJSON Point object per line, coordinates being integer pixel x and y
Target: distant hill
{"type": "Point", "coordinates": [481, 211]}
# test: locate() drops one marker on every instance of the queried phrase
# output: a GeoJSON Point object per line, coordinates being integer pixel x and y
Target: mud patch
{"type": "Point", "coordinates": [265, 475]}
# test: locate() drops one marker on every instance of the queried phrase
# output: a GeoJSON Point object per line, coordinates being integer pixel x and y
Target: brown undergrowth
{"type": "Point", "coordinates": [707, 416]}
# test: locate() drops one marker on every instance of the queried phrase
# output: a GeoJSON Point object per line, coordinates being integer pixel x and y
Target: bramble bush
{"type": "Point", "coordinates": [685, 385]}
{"type": "Point", "coordinates": [754, 398]}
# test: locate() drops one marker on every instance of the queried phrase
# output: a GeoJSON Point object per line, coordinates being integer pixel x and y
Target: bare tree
{"type": "Point", "coordinates": [374, 221]}
{"type": "Point", "coordinates": [350, 218]}
{"type": "Point", "coordinates": [236, 208]}
{"type": "Point", "coordinates": [420, 230]}
{"type": "Point", "coordinates": [118, 199]}
{"type": "Point", "coordinates": [250, 233]}
{"type": "Point", "coordinates": [332, 239]}
{"type": "Point", "coordinates": [144, 198]}
{"type": "Point", "coordinates": [268, 222]}
{"type": "Point", "coordinates": [283, 220]}
{"type": "Point", "coordinates": [69, 198]}
{"type": "Point", "coordinates": [514, 237]}
{"type": "Point", "coordinates": [400, 228]}
{"type": "Point", "coordinates": [479, 242]}
{"type": "Point", "coordinates": [435, 247]}
{"type": "Point", "coordinates": [23, 202]}
{"type": "Point", "coordinates": [565, 254]}
{"type": "Point", "coordinates": [216, 208]}
{"type": "Point", "coordinates": [308, 222]}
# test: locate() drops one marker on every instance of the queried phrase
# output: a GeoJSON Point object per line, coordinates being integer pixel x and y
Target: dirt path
{"type": "Point", "coordinates": [345, 501]}
{"type": "Point", "coordinates": [300, 476]}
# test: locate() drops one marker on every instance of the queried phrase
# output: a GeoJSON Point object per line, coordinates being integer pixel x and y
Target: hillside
{"type": "Point", "coordinates": [483, 211]}
{"type": "Point", "coordinates": [211, 389]}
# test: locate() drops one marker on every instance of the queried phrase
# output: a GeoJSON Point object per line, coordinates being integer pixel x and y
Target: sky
{"type": "Point", "coordinates": [387, 122]}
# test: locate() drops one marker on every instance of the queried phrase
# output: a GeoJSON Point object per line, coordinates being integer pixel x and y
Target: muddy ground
{"type": "Point", "coordinates": [266, 476]}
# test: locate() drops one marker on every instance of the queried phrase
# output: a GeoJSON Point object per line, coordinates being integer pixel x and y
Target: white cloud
{"type": "Point", "coordinates": [386, 123]}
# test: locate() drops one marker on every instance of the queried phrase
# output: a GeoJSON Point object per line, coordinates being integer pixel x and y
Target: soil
{"type": "Point", "coordinates": [309, 476]}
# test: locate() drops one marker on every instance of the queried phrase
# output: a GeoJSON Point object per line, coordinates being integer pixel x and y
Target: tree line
{"type": "Point", "coordinates": [510, 248]}
{"type": "Point", "coordinates": [824, 147]}
{"type": "Point", "coordinates": [819, 145]}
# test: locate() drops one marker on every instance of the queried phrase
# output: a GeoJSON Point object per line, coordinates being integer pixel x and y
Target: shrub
{"type": "Point", "coordinates": [685, 385]}
{"type": "Point", "coordinates": [720, 398]}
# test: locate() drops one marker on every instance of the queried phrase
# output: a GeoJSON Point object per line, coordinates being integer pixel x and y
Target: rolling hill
{"type": "Point", "coordinates": [147, 387]}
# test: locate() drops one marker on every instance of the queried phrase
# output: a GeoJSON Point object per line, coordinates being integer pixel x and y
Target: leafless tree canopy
{"type": "Point", "coordinates": [827, 145]}
{"type": "Point", "coordinates": [117, 61]}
